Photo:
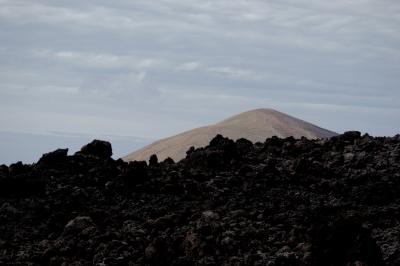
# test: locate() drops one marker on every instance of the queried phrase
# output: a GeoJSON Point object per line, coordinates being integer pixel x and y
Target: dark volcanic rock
{"type": "Point", "coordinates": [18, 168]}
{"type": "Point", "coordinates": [3, 171]}
{"type": "Point", "coordinates": [153, 161]}
{"type": "Point", "coordinates": [281, 202]}
{"type": "Point", "coordinates": [78, 225]}
{"type": "Point", "coordinates": [345, 242]}
{"type": "Point", "coordinates": [168, 161]}
{"type": "Point", "coordinates": [57, 156]}
{"type": "Point", "coordinates": [135, 173]}
{"type": "Point", "coordinates": [350, 136]}
{"type": "Point", "coordinates": [98, 148]}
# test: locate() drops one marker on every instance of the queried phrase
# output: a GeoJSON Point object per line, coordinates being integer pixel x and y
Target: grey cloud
{"type": "Point", "coordinates": [100, 60]}
{"type": "Point", "coordinates": [154, 68]}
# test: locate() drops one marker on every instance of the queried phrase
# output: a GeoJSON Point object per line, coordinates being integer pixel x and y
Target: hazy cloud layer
{"type": "Point", "coordinates": [153, 68]}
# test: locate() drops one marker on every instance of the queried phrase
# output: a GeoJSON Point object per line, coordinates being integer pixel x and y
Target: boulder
{"type": "Point", "coordinates": [3, 171]}
{"type": "Point", "coordinates": [18, 168]}
{"type": "Point", "coordinates": [97, 148]}
{"type": "Point", "coordinates": [135, 173]}
{"type": "Point", "coordinates": [244, 146]}
{"type": "Point", "coordinates": [57, 156]}
{"type": "Point", "coordinates": [153, 161]}
{"type": "Point", "coordinates": [345, 242]}
{"type": "Point", "coordinates": [79, 224]}
{"type": "Point", "coordinates": [350, 136]}
{"type": "Point", "coordinates": [169, 160]}
{"type": "Point", "coordinates": [221, 143]}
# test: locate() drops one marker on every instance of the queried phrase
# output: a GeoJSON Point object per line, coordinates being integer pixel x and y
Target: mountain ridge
{"type": "Point", "coordinates": [255, 125]}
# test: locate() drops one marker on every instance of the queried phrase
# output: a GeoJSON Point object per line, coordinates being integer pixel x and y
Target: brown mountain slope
{"type": "Point", "coordinates": [255, 125]}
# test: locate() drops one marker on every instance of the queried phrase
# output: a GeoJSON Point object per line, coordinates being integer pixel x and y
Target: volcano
{"type": "Point", "coordinates": [255, 125]}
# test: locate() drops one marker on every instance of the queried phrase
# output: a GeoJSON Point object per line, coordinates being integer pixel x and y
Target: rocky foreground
{"type": "Point", "coordinates": [281, 202]}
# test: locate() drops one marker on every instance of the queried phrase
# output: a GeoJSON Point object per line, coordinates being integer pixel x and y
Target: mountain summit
{"type": "Point", "coordinates": [255, 125]}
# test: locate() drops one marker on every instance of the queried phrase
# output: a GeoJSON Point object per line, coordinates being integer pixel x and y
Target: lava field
{"type": "Point", "coordinates": [282, 202]}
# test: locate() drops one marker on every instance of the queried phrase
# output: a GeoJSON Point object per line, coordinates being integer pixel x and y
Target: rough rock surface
{"type": "Point", "coordinates": [281, 202]}
{"type": "Point", "coordinates": [97, 148]}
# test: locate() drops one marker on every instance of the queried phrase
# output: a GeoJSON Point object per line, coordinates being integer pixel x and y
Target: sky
{"type": "Point", "coordinates": [142, 70]}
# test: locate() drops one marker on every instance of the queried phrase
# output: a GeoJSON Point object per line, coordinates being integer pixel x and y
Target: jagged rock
{"type": "Point", "coordinates": [54, 157]}
{"type": "Point", "coordinates": [18, 168]}
{"type": "Point", "coordinates": [98, 148]}
{"type": "Point", "coordinates": [345, 242]}
{"type": "Point", "coordinates": [156, 253]}
{"type": "Point", "coordinates": [168, 161]}
{"type": "Point", "coordinates": [209, 216]}
{"type": "Point", "coordinates": [79, 224]}
{"type": "Point", "coordinates": [190, 150]}
{"type": "Point", "coordinates": [19, 180]}
{"type": "Point", "coordinates": [350, 136]}
{"type": "Point", "coordinates": [135, 172]}
{"type": "Point", "coordinates": [4, 171]}
{"type": "Point", "coordinates": [165, 222]}
{"type": "Point", "coordinates": [153, 161]}
{"type": "Point", "coordinates": [191, 244]}
{"type": "Point", "coordinates": [244, 146]}
{"type": "Point", "coordinates": [281, 202]}
{"type": "Point", "coordinates": [224, 144]}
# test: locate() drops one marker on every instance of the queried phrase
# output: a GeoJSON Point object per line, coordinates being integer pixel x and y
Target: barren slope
{"type": "Point", "coordinates": [255, 125]}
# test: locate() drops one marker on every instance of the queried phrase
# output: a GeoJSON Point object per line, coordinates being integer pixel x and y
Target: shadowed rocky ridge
{"type": "Point", "coordinates": [281, 202]}
{"type": "Point", "coordinates": [255, 125]}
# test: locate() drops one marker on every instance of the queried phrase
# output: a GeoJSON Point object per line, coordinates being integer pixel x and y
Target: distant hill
{"type": "Point", "coordinates": [255, 125]}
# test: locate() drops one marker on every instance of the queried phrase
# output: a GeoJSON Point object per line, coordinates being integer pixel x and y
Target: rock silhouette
{"type": "Point", "coordinates": [280, 202]}
{"type": "Point", "coordinates": [97, 148]}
